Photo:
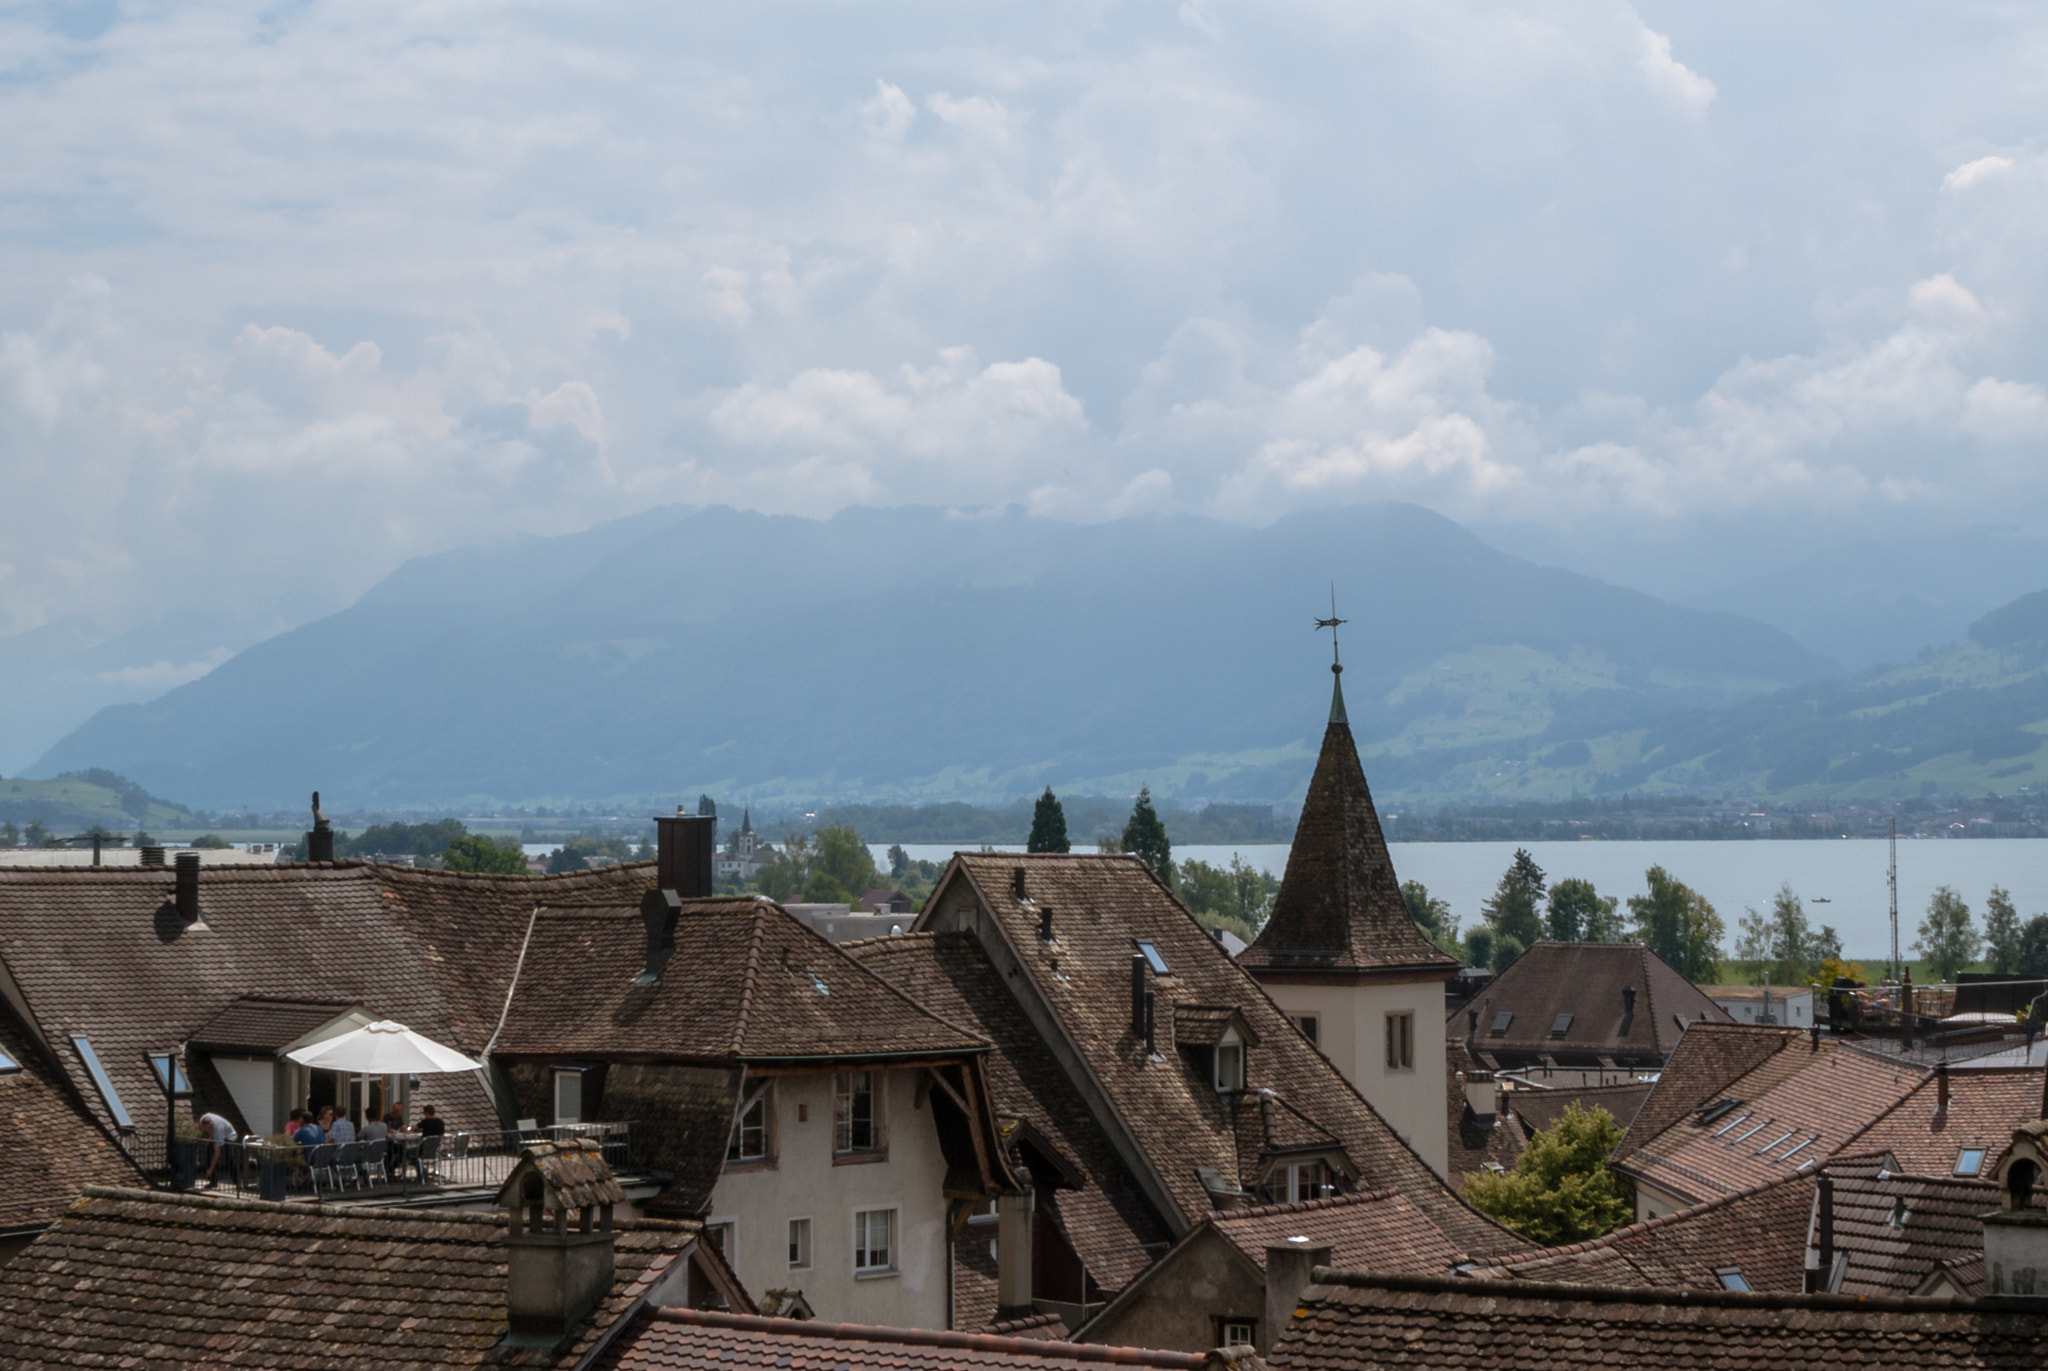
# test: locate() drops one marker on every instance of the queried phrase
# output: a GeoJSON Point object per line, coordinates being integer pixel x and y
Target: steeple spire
{"type": "Point", "coordinates": [1333, 623]}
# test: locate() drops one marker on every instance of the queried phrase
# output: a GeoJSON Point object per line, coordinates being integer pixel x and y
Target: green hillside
{"type": "Point", "coordinates": [1970, 719]}
{"type": "Point", "coordinates": [74, 802]}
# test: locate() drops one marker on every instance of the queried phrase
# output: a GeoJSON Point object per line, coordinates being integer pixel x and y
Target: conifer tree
{"type": "Point", "coordinates": [1145, 836]}
{"type": "Point", "coordinates": [1048, 825]}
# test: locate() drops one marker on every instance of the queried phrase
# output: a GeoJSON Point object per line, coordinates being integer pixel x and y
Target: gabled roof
{"type": "Point", "coordinates": [52, 1146]}
{"type": "Point", "coordinates": [1538, 1109]}
{"type": "Point", "coordinates": [265, 1025]}
{"type": "Point", "coordinates": [1077, 993]}
{"type": "Point", "coordinates": [1420, 1323]}
{"type": "Point", "coordinates": [1375, 1230]}
{"type": "Point", "coordinates": [1709, 1059]}
{"type": "Point", "coordinates": [1761, 1232]}
{"type": "Point", "coordinates": [1585, 981]}
{"type": "Point", "coordinates": [111, 1283]}
{"type": "Point", "coordinates": [1898, 1231]}
{"type": "Point", "coordinates": [666, 1338]}
{"type": "Point", "coordinates": [1109, 1222]}
{"type": "Point", "coordinates": [1796, 1108]}
{"type": "Point", "coordinates": [1339, 907]}
{"type": "Point", "coordinates": [748, 982]}
{"type": "Point", "coordinates": [1984, 1107]}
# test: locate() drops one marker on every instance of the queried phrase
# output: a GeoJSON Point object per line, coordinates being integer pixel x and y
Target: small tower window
{"type": "Point", "coordinates": [1400, 1042]}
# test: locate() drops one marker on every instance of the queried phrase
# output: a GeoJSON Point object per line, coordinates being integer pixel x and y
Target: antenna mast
{"type": "Point", "coordinates": [1893, 880]}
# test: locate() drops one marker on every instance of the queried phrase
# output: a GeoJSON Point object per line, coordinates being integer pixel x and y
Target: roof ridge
{"type": "Point", "coordinates": [931, 1337]}
{"type": "Point", "coordinates": [1260, 1211]}
{"type": "Point", "coordinates": [749, 977]}
{"type": "Point", "coordinates": [493, 1218]}
{"type": "Point", "coordinates": [1553, 1294]}
{"type": "Point", "coordinates": [1651, 1224]}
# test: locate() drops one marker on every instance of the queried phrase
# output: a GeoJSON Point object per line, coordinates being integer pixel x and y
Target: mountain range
{"type": "Point", "coordinates": [916, 654]}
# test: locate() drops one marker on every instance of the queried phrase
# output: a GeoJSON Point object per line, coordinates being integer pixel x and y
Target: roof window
{"type": "Point", "coordinates": [1970, 1161]}
{"type": "Point", "coordinates": [8, 1066]}
{"type": "Point", "coordinates": [170, 1073]}
{"type": "Point", "coordinates": [1731, 1278]}
{"type": "Point", "coordinates": [1153, 959]}
{"type": "Point", "coordinates": [1500, 1023]}
{"type": "Point", "coordinates": [1733, 1123]}
{"type": "Point", "coordinates": [1781, 1139]}
{"type": "Point", "coordinates": [101, 1080]}
{"type": "Point", "coordinates": [1560, 1025]}
{"type": "Point", "coordinates": [1719, 1109]}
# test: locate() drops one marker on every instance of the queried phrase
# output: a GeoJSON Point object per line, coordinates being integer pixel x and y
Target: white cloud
{"type": "Point", "coordinates": [1970, 173]}
{"type": "Point", "coordinates": [1672, 76]}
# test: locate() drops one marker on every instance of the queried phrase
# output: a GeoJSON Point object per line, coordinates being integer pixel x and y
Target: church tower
{"type": "Point", "coordinates": [1344, 959]}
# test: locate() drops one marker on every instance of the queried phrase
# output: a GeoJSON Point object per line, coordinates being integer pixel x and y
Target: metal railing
{"type": "Point", "coordinates": [407, 1169]}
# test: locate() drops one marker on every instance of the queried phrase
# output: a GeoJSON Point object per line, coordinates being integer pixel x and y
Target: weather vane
{"type": "Point", "coordinates": [1331, 623]}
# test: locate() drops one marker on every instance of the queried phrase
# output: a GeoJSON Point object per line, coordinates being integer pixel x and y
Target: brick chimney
{"type": "Point", "coordinates": [683, 853]}
{"type": "Point", "coordinates": [1288, 1268]}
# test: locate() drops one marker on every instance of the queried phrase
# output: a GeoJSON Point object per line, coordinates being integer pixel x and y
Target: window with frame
{"type": "Point", "coordinates": [724, 1235]}
{"type": "Point", "coordinates": [1970, 1161]}
{"type": "Point", "coordinates": [1311, 1026]}
{"type": "Point", "coordinates": [1239, 1332]}
{"type": "Point", "coordinates": [750, 1132]}
{"type": "Point", "coordinates": [1229, 1067]}
{"type": "Point", "coordinates": [569, 1096]}
{"type": "Point", "coordinates": [1400, 1042]}
{"type": "Point", "coordinates": [856, 1113]}
{"type": "Point", "coordinates": [874, 1241]}
{"type": "Point", "coordinates": [1731, 1278]}
{"type": "Point", "coordinates": [799, 1244]}
{"type": "Point", "coordinates": [1150, 951]}
{"type": "Point", "coordinates": [1305, 1181]}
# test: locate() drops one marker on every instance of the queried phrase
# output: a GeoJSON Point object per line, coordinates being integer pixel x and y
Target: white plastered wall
{"type": "Point", "coordinates": [1352, 1032]}
{"type": "Point", "coordinates": [807, 1181]}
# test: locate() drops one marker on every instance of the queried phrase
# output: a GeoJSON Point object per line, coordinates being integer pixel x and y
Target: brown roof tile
{"type": "Point", "coordinates": [129, 1278]}
{"type": "Point", "coordinates": [748, 982]}
{"type": "Point", "coordinates": [1377, 1230]}
{"type": "Point", "coordinates": [1584, 980]}
{"type": "Point", "coordinates": [695, 1338]}
{"type": "Point", "coordinates": [1168, 1106]}
{"type": "Point", "coordinates": [1339, 906]}
{"type": "Point", "coordinates": [52, 1146]}
{"type": "Point", "coordinates": [1473, 1145]}
{"type": "Point", "coordinates": [1984, 1107]}
{"type": "Point", "coordinates": [1707, 1060]}
{"type": "Point", "coordinates": [1418, 1323]}
{"type": "Point", "coordinates": [1537, 1109]}
{"type": "Point", "coordinates": [265, 1025]}
{"type": "Point", "coordinates": [1895, 1231]}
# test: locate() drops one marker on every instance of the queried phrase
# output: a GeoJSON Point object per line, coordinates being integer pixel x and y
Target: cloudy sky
{"type": "Point", "coordinates": [290, 292]}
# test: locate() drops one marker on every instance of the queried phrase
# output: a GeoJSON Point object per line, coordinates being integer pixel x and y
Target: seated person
{"type": "Point", "coordinates": [376, 1130]}
{"type": "Point", "coordinates": [430, 1125]}
{"type": "Point", "coordinates": [305, 1131]}
{"type": "Point", "coordinates": [339, 1128]}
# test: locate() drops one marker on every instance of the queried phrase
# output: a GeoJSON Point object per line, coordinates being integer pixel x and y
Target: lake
{"type": "Point", "coordinates": [1847, 872]}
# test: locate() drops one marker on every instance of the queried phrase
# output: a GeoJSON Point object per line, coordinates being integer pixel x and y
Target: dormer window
{"type": "Point", "coordinates": [1500, 1024]}
{"type": "Point", "coordinates": [1229, 1063]}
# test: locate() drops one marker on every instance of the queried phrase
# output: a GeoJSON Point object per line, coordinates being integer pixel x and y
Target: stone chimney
{"type": "Point", "coordinates": [683, 853]}
{"type": "Point", "coordinates": [1014, 1209]}
{"type": "Point", "coordinates": [1288, 1268]}
{"type": "Point", "coordinates": [320, 840]}
{"type": "Point", "coordinates": [2016, 1234]}
{"type": "Point", "coordinates": [558, 1239]}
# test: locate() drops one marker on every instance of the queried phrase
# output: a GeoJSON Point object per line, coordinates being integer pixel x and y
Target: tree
{"type": "Point", "coordinates": [1560, 1190]}
{"type": "Point", "coordinates": [576, 852]}
{"type": "Point", "coordinates": [2001, 931]}
{"type": "Point", "coordinates": [844, 862]}
{"type": "Point", "coordinates": [1237, 897]}
{"type": "Point", "coordinates": [480, 852]}
{"type": "Point", "coordinates": [1431, 915]}
{"type": "Point", "coordinates": [1048, 825]}
{"type": "Point", "coordinates": [2033, 957]}
{"type": "Point", "coordinates": [1145, 836]}
{"type": "Point", "coordinates": [1678, 924]}
{"type": "Point", "coordinates": [38, 836]}
{"type": "Point", "coordinates": [786, 873]}
{"type": "Point", "coordinates": [1948, 938]}
{"type": "Point", "coordinates": [1511, 913]}
{"type": "Point", "coordinates": [1827, 946]}
{"type": "Point", "coordinates": [1479, 946]}
{"type": "Point", "coordinates": [899, 861]}
{"type": "Point", "coordinates": [1791, 943]}
{"type": "Point", "coordinates": [207, 840]}
{"type": "Point", "coordinates": [1752, 937]}
{"type": "Point", "coordinates": [1577, 913]}
{"type": "Point", "coordinates": [10, 836]}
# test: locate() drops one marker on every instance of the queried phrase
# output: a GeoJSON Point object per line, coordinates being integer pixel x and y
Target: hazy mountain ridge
{"type": "Point", "coordinates": [918, 654]}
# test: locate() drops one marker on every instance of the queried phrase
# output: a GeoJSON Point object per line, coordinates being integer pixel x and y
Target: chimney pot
{"type": "Point", "coordinates": [1013, 1251]}
{"type": "Point", "coordinates": [1017, 884]}
{"type": "Point", "coordinates": [187, 887]}
{"type": "Point", "coordinates": [319, 841]}
{"type": "Point", "coordinates": [1941, 1090]}
{"type": "Point", "coordinates": [152, 856]}
{"type": "Point", "coordinates": [1045, 924]}
{"type": "Point", "coordinates": [683, 854]}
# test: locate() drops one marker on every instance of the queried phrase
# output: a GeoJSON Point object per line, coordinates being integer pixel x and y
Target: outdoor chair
{"type": "Point", "coordinates": [347, 1158]}
{"type": "Point", "coordinates": [320, 1162]}
{"type": "Point", "coordinates": [373, 1161]}
{"type": "Point", "coordinates": [429, 1153]}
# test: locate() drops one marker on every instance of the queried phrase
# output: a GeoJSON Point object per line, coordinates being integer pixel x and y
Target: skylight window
{"type": "Point", "coordinates": [1970, 1162]}
{"type": "Point", "coordinates": [1782, 1138]}
{"type": "Point", "coordinates": [1719, 1109]}
{"type": "Point", "coordinates": [7, 1064]}
{"type": "Point", "coordinates": [104, 1084]}
{"type": "Point", "coordinates": [1745, 1137]}
{"type": "Point", "coordinates": [1153, 959]}
{"type": "Point", "coordinates": [1500, 1023]}
{"type": "Point", "coordinates": [170, 1073]}
{"type": "Point", "coordinates": [1560, 1025]}
{"type": "Point", "coordinates": [1731, 1278]}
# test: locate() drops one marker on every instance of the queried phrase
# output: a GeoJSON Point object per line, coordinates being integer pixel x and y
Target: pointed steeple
{"type": "Point", "coordinates": [1340, 906]}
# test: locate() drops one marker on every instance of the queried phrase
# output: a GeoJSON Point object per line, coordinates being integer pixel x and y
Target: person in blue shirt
{"type": "Point", "coordinates": [306, 1131]}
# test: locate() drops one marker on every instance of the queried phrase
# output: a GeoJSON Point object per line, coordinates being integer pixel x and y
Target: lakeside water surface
{"type": "Point", "coordinates": [1847, 872]}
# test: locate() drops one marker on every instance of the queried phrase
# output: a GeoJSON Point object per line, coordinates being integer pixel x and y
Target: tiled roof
{"type": "Point", "coordinates": [1417, 1323]}
{"type": "Point", "coordinates": [1708, 1059]}
{"type": "Point", "coordinates": [51, 1146]}
{"type": "Point", "coordinates": [1168, 1107]}
{"type": "Point", "coordinates": [1110, 1224]}
{"type": "Point", "coordinates": [748, 982]}
{"type": "Point", "coordinates": [1376, 1230]}
{"type": "Point", "coordinates": [102, 953]}
{"type": "Point", "coordinates": [1584, 980]}
{"type": "Point", "coordinates": [1761, 1232]}
{"type": "Point", "coordinates": [265, 1025]}
{"type": "Point", "coordinates": [1538, 1109]}
{"type": "Point", "coordinates": [694, 1338]}
{"type": "Point", "coordinates": [1472, 1145]}
{"type": "Point", "coordinates": [572, 1169]}
{"type": "Point", "coordinates": [1339, 906]}
{"type": "Point", "coordinates": [1984, 1106]}
{"type": "Point", "coordinates": [1795, 1108]}
{"type": "Point", "coordinates": [129, 1278]}
{"type": "Point", "coordinates": [1895, 1231]}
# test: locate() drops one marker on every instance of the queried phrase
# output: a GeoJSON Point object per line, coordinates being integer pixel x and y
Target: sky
{"type": "Point", "coordinates": [291, 292]}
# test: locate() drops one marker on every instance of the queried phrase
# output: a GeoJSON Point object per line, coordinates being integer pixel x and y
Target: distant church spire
{"type": "Point", "coordinates": [1339, 907]}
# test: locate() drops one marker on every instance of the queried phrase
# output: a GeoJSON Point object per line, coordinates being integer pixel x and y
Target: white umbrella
{"type": "Point", "coordinates": [384, 1048]}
